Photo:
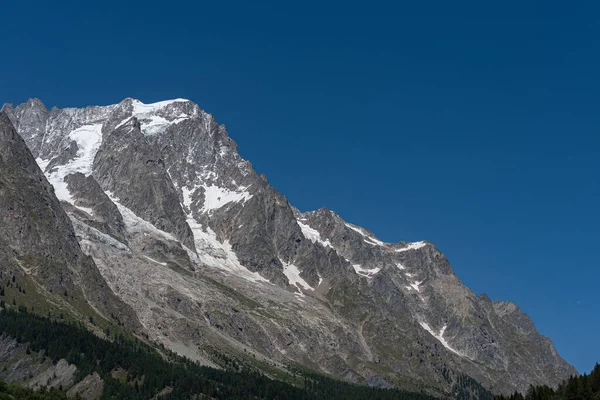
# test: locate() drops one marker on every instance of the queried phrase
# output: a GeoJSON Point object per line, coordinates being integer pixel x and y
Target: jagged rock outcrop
{"type": "Point", "coordinates": [31, 368]}
{"type": "Point", "coordinates": [133, 171]}
{"type": "Point", "coordinates": [89, 388]}
{"type": "Point", "coordinates": [36, 236]}
{"type": "Point", "coordinates": [208, 254]}
{"type": "Point", "coordinates": [31, 117]}
{"type": "Point", "coordinates": [36, 371]}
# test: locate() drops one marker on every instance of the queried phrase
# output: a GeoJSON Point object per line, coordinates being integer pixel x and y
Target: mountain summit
{"type": "Point", "coordinates": [209, 255]}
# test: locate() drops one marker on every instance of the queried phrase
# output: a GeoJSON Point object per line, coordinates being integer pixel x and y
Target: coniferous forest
{"type": "Point", "coordinates": [583, 387]}
{"type": "Point", "coordinates": [150, 372]}
{"type": "Point", "coordinates": [14, 392]}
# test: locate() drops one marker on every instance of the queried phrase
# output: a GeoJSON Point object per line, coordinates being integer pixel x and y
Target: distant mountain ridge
{"type": "Point", "coordinates": [208, 254]}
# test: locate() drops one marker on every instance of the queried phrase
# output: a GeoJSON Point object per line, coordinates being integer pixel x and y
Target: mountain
{"type": "Point", "coordinates": [120, 367]}
{"type": "Point", "coordinates": [39, 251]}
{"type": "Point", "coordinates": [209, 255]}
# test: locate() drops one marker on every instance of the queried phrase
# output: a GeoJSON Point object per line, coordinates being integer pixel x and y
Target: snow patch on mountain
{"type": "Point", "coordinates": [155, 124]}
{"type": "Point", "coordinates": [369, 272]}
{"type": "Point", "coordinates": [124, 122]}
{"type": "Point", "coordinates": [293, 274]}
{"type": "Point", "coordinates": [86, 210]}
{"type": "Point", "coordinates": [135, 224]}
{"type": "Point", "coordinates": [210, 251]}
{"type": "Point", "coordinates": [415, 285]}
{"type": "Point", "coordinates": [152, 124]}
{"type": "Point", "coordinates": [312, 234]}
{"type": "Point", "coordinates": [412, 246]}
{"type": "Point", "coordinates": [216, 197]}
{"type": "Point", "coordinates": [439, 336]}
{"type": "Point", "coordinates": [140, 108]}
{"type": "Point", "coordinates": [216, 254]}
{"type": "Point", "coordinates": [369, 239]}
{"type": "Point", "coordinates": [187, 195]}
{"type": "Point", "coordinates": [155, 261]}
{"type": "Point", "coordinates": [90, 234]}
{"type": "Point", "coordinates": [88, 139]}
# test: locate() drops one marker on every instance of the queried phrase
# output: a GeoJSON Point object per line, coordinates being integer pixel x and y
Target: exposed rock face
{"type": "Point", "coordinates": [33, 369]}
{"type": "Point", "coordinates": [207, 253]}
{"type": "Point", "coordinates": [36, 371]}
{"type": "Point", "coordinates": [36, 235]}
{"type": "Point", "coordinates": [60, 375]}
{"type": "Point", "coordinates": [90, 388]}
{"type": "Point", "coordinates": [151, 194]}
{"type": "Point", "coordinates": [32, 117]}
{"type": "Point", "coordinates": [95, 207]}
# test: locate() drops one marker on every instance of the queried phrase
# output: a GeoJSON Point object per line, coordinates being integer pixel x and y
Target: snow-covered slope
{"type": "Point", "coordinates": [207, 253]}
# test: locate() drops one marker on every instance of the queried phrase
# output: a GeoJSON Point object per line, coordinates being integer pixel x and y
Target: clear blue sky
{"type": "Point", "coordinates": [474, 126]}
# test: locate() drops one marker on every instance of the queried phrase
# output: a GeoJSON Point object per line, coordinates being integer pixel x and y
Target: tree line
{"type": "Point", "coordinates": [146, 372]}
{"type": "Point", "coordinates": [582, 387]}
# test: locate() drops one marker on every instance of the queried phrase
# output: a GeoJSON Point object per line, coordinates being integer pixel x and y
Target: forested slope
{"type": "Point", "coordinates": [583, 387]}
{"type": "Point", "coordinates": [132, 369]}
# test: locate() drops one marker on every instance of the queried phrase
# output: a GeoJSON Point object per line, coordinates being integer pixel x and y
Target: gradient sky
{"type": "Point", "coordinates": [473, 126]}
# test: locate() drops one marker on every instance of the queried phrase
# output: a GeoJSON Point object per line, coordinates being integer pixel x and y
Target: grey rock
{"type": "Point", "coordinates": [89, 388]}
{"type": "Point", "coordinates": [127, 166]}
{"type": "Point", "coordinates": [208, 254]}
{"type": "Point", "coordinates": [105, 215]}
{"type": "Point", "coordinates": [60, 375]}
{"type": "Point", "coordinates": [36, 235]}
{"type": "Point", "coordinates": [34, 370]}
{"type": "Point", "coordinates": [30, 119]}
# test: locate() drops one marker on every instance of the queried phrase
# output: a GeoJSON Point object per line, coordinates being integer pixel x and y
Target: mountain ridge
{"type": "Point", "coordinates": [37, 238]}
{"type": "Point", "coordinates": [385, 310]}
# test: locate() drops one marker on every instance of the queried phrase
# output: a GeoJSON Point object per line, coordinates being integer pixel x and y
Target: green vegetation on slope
{"type": "Point", "coordinates": [147, 373]}
{"type": "Point", "coordinates": [466, 388]}
{"type": "Point", "coordinates": [583, 387]}
{"type": "Point", "coordinates": [14, 392]}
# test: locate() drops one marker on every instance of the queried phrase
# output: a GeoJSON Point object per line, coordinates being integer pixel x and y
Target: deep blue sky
{"type": "Point", "coordinates": [473, 126]}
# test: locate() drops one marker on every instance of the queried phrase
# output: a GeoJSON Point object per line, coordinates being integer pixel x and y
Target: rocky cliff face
{"type": "Point", "coordinates": [36, 235]}
{"type": "Point", "coordinates": [208, 254]}
{"type": "Point", "coordinates": [36, 371]}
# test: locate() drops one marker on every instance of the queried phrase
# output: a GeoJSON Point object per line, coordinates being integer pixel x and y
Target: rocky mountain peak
{"type": "Point", "coordinates": [9, 111]}
{"type": "Point", "coordinates": [185, 231]}
{"type": "Point", "coordinates": [33, 105]}
{"type": "Point", "coordinates": [8, 135]}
